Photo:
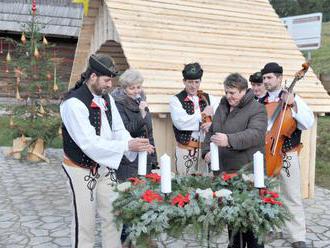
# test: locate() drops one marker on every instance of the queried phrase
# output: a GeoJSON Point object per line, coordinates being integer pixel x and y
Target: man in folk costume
{"type": "Point", "coordinates": [94, 141]}
{"type": "Point", "coordinates": [258, 86]}
{"type": "Point", "coordinates": [191, 112]}
{"type": "Point", "coordinates": [290, 174]}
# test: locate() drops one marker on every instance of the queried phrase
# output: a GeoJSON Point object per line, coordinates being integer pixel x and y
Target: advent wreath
{"type": "Point", "coordinates": [201, 205]}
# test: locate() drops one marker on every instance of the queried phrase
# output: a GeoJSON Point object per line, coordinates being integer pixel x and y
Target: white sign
{"type": "Point", "coordinates": [305, 30]}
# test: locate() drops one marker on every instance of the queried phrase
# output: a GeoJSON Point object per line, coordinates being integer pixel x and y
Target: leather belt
{"type": "Point", "coordinates": [191, 145]}
{"type": "Point", "coordinates": [69, 162]}
{"type": "Point", "coordinates": [296, 149]}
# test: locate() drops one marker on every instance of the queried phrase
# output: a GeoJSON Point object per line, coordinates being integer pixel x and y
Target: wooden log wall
{"type": "Point", "coordinates": [115, 50]}
{"type": "Point", "coordinates": [83, 49]}
{"type": "Point", "coordinates": [103, 38]}
{"type": "Point", "coordinates": [158, 37]}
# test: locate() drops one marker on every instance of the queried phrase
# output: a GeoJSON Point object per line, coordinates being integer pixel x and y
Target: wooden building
{"type": "Point", "coordinates": [60, 21]}
{"type": "Point", "coordinates": [159, 37]}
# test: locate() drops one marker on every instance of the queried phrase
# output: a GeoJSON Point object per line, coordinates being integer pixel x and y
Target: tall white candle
{"type": "Point", "coordinates": [142, 163]}
{"type": "Point", "coordinates": [165, 173]}
{"type": "Point", "coordinates": [258, 170]}
{"type": "Point", "coordinates": [214, 157]}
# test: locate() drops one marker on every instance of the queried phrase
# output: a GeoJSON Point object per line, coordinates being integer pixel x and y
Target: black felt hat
{"type": "Point", "coordinates": [272, 68]}
{"type": "Point", "coordinates": [192, 71]}
{"type": "Point", "coordinates": [256, 78]}
{"type": "Point", "coordinates": [103, 65]}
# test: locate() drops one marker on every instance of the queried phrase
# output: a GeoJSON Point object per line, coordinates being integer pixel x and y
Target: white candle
{"type": "Point", "coordinates": [214, 157]}
{"type": "Point", "coordinates": [142, 163]}
{"type": "Point", "coordinates": [165, 173]}
{"type": "Point", "coordinates": [258, 170]}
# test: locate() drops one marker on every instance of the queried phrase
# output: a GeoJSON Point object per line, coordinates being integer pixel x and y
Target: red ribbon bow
{"type": "Point", "coordinates": [150, 196]}
{"type": "Point", "coordinates": [226, 176]}
{"type": "Point", "coordinates": [271, 197]}
{"type": "Point", "coordinates": [135, 180]}
{"type": "Point", "coordinates": [181, 200]}
{"type": "Point", "coordinates": [272, 201]}
{"type": "Point", "coordinates": [154, 177]}
{"type": "Point", "coordinates": [272, 194]}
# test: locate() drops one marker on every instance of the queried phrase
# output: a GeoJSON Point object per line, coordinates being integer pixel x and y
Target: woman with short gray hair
{"type": "Point", "coordinates": [133, 108]}
{"type": "Point", "coordinates": [130, 77]}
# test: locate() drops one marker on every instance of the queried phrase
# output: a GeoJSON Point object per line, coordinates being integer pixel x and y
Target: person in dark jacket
{"type": "Point", "coordinates": [238, 129]}
{"type": "Point", "coordinates": [133, 109]}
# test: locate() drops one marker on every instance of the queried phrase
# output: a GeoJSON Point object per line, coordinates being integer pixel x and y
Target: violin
{"type": "Point", "coordinates": [205, 118]}
{"type": "Point", "coordinates": [281, 125]}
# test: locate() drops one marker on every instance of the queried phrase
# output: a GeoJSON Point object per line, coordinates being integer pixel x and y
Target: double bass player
{"type": "Point", "coordinates": [289, 177]}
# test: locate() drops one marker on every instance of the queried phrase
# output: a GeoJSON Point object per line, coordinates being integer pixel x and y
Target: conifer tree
{"type": "Point", "coordinates": [33, 63]}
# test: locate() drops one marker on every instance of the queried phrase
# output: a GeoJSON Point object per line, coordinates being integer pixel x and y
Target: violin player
{"type": "Point", "coordinates": [191, 111]}
{"type": "Point", "coordinates": [289, 176]}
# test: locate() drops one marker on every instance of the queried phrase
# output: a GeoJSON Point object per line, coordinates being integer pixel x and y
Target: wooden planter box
{"type": "Point", "coordinates": [36, 150]}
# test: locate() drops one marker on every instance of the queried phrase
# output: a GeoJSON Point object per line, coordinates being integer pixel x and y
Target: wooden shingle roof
{"type": "Point", "coordinates": [159, 36]}
{"type": "Point", "coordinates": [60, 17]}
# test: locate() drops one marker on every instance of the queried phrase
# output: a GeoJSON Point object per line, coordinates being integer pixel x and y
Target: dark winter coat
{"type": "Point", "coordinates": [245, 127]}
{"type": "Point", "coordinates": [137, 127]}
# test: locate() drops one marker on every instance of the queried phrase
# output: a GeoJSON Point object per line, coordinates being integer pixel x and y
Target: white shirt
{"type": "Point", "coordinates": [106, 149]}
{"type": "Point", "coordinates": [304, 116]}
{"type": "Point", "coordinates": [183, 121]}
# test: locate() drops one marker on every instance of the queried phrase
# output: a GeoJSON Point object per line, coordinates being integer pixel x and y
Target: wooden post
{"type": "Point", "coordinates": [307, 160]}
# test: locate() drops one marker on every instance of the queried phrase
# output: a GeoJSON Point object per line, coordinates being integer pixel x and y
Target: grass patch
{"type": "Point", "coordinates": [322, 174]}
{"type": "Point", "coordinates": [321, 56]}
{"type": "Point", "coordinates": [322, 171]}
{"type": "Point", "coordinates": [7, 134]}
{"type": "Point", "coordinates": [45, 127]}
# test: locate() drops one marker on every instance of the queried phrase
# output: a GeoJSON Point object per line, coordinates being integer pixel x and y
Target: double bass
{"type": "Point", "coordinates": [281, 125]}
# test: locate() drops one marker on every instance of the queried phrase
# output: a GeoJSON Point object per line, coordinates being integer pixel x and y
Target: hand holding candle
{"type": "Point", "coordinates": [165, 173]}
{"type": "Point", "coordinates": [258, 170]}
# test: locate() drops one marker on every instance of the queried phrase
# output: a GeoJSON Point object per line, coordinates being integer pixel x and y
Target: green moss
{"type": "Point", "coordinates": [322, 177]}
{"type": "Point", "coordinates": [321, 56]}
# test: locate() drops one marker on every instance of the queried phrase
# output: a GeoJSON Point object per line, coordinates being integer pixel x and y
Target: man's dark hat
{"type": "Point", "coordinates": [256, 78]}
{"type": "Point", "coordinates": [103, 65]}
{"type": "Point", "coordinates": [192, 71]}
{"type": "Point", "coordinates": [272, 68]}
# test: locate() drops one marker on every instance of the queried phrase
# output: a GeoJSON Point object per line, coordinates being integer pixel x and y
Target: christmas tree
{"type": "Point", "coordinates": [33, 62]}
